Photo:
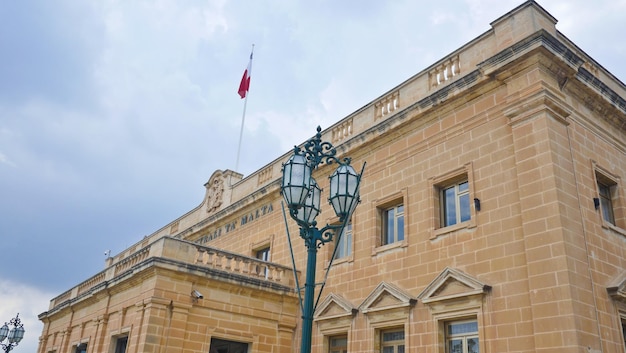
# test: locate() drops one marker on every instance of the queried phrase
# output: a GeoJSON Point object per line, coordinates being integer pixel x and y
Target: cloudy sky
{"type": "Point", "coordinates": [113, 114]}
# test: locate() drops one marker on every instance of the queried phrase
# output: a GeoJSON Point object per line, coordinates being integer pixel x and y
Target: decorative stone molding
{"type": "Point", "coordinates": [219, 190]}
{"type": "Point", "coordinates": [214, 192]}
{"type": "Point", "coordinates": [386, 296]}
{"type": "Point", "coordinates": [617, 290]}
{"type": "Point", "coordinates": [334, 307]}
{"type": "Point", "coordinates": [452, 284]}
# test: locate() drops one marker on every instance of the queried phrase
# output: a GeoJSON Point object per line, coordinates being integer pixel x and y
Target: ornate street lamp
{"type": "Point", "coordinates": [13, 336]}
{"type": "Point", "coordinates": [302, 196]}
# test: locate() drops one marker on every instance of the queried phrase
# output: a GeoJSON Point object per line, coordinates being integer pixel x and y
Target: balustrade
{"type": "Point", "coordinates": [445, 71]}
{"type": "Point", "coordinates": [387, 105]}
{"type": "Point", "coordinates": [132, 260]}
{"type": "Point", "coordinates": [243, 265]}
{"type": "Point", "coordinates": [342, 131]}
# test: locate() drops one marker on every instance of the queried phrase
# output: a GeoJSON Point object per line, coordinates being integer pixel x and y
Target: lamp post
{"type": "Point", "coordinates": [302, 196]}
{"type": "Point", "coordinates": [13, 336]}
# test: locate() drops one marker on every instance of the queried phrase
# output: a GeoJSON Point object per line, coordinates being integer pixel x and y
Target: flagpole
{"type": "Point", "coordinates": [243, 119]}
{"type": "Point", "coordinates": [243, 116]}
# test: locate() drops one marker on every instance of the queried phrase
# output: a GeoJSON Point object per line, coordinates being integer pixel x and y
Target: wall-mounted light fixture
{"type": "Point", "coordinates": [477, 204]}
{"type": "Point", "coordinates": [596, 203]}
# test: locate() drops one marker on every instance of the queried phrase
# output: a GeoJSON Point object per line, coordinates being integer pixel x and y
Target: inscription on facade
{"type": "Point", "coordinates": [231, 226]}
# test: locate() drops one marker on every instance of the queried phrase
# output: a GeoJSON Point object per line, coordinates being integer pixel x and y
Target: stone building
{"type": "Point", "coordinates": [493, 219]}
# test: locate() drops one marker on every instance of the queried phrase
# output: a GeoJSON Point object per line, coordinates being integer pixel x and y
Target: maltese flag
{"type": "Point", "coordinates": [244, 86]}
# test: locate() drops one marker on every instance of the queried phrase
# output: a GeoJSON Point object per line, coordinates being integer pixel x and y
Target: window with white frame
{"type": "Point", "coordinates": [338, 344]}
{"type": "Point", "coordinates": [462, 336]}
{"type": "Point", "coordinates": [392, 341]}
{"type": "Point", "coordinates": [455, 203]}
{"type": "Point", "coordinates": [609, 201]}
{"type": "Point", "coordinates": [344, 243]}
{"type": "Point", "coordinates": [607, 190]}
{"type": "Point", "coordinates": [262, 254]}
{"type": "Point", "coordinates": [392, 224]}
{"type": "Point", "coordinates": [454, 200]}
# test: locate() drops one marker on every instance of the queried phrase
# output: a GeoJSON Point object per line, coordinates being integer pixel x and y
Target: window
{"type": "Point", "coordinates": [223, 346]}
{"type": "Point", "coordinates": [344, 243]}
{"type": "Point", "coordinates": [392, 341]}
{"type": "Point", "coordinates": [263, 255]}
{"type": "Point", "coordinates": [462, 337]}
{"type": "Point", "coordinates": [81, 348]}
{"type": "Point", "coordinates": [455, 203]}
{"type": "Point", "coordinates": [120, 344]}
{"type": "Point", "coordinates": [606, 189]}
{"type": "Point", "coordinates": [338, 344]}
{"type": "Point", "coordinates": [391, 214]}
{"type": "Point", "coordinates": [393, 224]}
{"type": "Point", "coordinates": [609, 202]}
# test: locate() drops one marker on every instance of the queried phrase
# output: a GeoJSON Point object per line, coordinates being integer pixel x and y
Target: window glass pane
{"type": "Point", "coordinates": [263, 254]}
{"type": "Point", "coordinates": [449, 207]}
{"type": "Point", "coordinates": [464, 186]}
{"type": "Point", "coordinates": [401, 348]}
{"type": "Point", "coordinates": [472, 345]}
{"type": "Point", "coordinates": [464, 206]}
{"type": "Point", "coordinates": [604, 191]}
{"type": "Point", "coordinates": [388, 349]}
{"type": "Point", "coordinates": [344, 244]}
{"type": "Point", "coordinates": [340, 249]}
{"type": "Point", "coordinates": [466, 327]}
{"type": "Point", "coordinates": [348, 244]}
{"type": "Point", "coordinates": [455, 346]}
{"type": "Point", "coordinates": [390, 222]}
{"type": "Point", "coordinates": [120, 347]}
{"type": "Point", "coordinates": [400, 227]}
{"type": "Point", "coordinates": [223, 346]}
{"type": "Point", "coordinates": [393, 336]}
{"type": "Point", "coordinates": [339, 344]}
{"type": "Point", "coordinates": [339, 341]}
{"type": "Point", "coordinates": [607, 210]}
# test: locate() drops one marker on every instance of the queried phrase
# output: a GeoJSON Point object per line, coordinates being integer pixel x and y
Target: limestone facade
{"type": "Point", "coordinates": [525, 130]}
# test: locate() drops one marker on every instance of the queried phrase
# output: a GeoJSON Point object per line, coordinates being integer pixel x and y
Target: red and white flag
{"type": "Point", "coordinates": [244, 86]}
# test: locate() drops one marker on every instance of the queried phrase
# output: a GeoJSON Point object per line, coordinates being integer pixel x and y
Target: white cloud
{"type": "Point", "coordinates": [4, 159]}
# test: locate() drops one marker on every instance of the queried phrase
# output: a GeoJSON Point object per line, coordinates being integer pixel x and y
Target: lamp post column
{"type": "Point", "coordinates": [309, 290]}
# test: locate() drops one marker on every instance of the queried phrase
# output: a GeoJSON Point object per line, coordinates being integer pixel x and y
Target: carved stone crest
{"type": "Point", "coordinates": [215, 193]}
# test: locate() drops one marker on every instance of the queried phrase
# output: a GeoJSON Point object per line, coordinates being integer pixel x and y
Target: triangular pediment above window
{"type": "Point", "coordinates": [334, 306]}
{"type": "Point", "coordinates": [617, 290]}
{"type": "Point", "coordinates": [451, 284]}
{"type": "Point", "coordinates": [386, 296]}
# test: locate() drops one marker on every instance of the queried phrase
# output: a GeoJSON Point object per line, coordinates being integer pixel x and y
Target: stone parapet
{"type": "Point", "coordinates": [168, 252]}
